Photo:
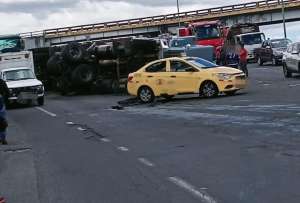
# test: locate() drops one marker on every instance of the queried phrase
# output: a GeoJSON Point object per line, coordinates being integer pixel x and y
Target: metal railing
{"type": "Point", "coordinates": [164, 19]}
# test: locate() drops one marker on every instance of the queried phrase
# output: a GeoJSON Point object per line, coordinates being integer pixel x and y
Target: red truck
{"type": "Point", "coordinates": [207, 32]}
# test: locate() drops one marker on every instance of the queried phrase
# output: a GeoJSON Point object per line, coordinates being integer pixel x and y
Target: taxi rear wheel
{"type": "Point", "coordinates": [209, 89]}
{"type": "Point", "coordinates": [145, 94]}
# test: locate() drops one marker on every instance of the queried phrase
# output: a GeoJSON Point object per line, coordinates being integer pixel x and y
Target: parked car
{"type": "Point", "coordinates": [171, 76]}
{"type": "Point", "coordinates": [271, 51]}
{"type": "Point", "coordinates": [291, 60]}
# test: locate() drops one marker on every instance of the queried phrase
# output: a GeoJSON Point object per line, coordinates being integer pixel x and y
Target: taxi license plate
{"type": "Point", "coordinates": [27, 96]}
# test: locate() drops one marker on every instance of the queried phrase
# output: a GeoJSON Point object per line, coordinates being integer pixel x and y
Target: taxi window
{"type": "Point", "coordinates": [157, 67]}
{"type": "Point", "coordinates": [179, 66]}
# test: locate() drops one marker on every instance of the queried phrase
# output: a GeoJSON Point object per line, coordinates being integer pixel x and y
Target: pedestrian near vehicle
{"type": "Point", "coordinates": [243, 59]}
{"type": "Point", "coordinates": [4, 93]}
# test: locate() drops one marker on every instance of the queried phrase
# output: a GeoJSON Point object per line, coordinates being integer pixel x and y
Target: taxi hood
{"type": "Point", "coordinates": [222, 69]}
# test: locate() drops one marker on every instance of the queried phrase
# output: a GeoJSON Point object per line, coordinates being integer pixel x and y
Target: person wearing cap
{"type": "Point", "coordinates": [243, 59]}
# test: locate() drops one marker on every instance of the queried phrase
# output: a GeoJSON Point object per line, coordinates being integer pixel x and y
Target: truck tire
{"type": "Point", "coordinates": [54, 65]}
{"type": "Point", "coordinates": [73, 52]}
{"type": "Point", "coordinates": [286, 72]}
{"type": "Point", "coordinates": [259, 61]}
{"type": "Point", "coordinates": [41, 101]}
{"type": "Point", "coordinates": [83, 74]}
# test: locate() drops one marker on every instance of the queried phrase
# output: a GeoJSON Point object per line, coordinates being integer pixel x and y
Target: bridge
{"type": "Point", "coordinates": [261, 12]}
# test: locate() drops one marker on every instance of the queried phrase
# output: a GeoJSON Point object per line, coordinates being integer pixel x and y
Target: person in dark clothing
{"type": "Point", "coordinates": [4, 94]}
{"type": "Point", "coordinates": [243, 59]}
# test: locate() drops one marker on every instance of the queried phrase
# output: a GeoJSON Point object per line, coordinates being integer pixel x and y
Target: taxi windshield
{"type": "Point", "coordinates": [202, 63]}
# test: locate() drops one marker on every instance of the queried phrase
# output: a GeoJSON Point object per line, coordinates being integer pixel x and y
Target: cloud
{"type": "Point", "coordinates": [33, 15]}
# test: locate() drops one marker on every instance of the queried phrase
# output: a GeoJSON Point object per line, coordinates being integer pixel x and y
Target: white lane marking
{"type": "Point", "coordinates": [70, 123]}
{"type": "Point", "coordinates": [146, 162]}
{"type": "Point", "coordinates": [81, 129]}
{"type": "Point", "coordinates": [105, 140]}
{"type": "Point", "coordinates": [46, 112]}
{"type": "Point", "coordinates": [203, 196]}
{"type": "Point", "coordinates": [124, 149]}
{"type": "Point", "coordinates": [294, 85]}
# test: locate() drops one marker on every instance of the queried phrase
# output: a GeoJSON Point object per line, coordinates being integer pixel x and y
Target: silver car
{"type": "Point", "coordinates": [291, 60]}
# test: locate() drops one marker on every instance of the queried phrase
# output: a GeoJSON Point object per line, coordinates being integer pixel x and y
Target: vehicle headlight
{"type": "Point", "coordinates": [40, 88]}
{"type": "Point", "coordinates": [224, 76]}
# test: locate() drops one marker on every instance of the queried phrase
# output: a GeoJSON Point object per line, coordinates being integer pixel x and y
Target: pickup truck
{"type": "Point", "coordinates": [271, 51]}
{"type": "Point", "coordinates": [291, 60]}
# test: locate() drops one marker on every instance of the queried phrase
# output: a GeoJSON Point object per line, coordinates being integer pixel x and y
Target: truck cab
{"type": "Point", "coordinates": [251, 42]}
{"type": "Point", "coordinates": [17, 70]}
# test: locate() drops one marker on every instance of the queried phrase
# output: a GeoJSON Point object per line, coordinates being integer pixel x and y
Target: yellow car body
{"type": "Point", "coordinates": [171, 76]}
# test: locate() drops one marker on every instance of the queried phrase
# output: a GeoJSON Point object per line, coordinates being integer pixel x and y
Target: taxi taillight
{"type": "Point", "coordinates": [130, 77]}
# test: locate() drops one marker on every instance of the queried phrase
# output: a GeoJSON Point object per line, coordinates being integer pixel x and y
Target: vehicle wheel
{"type": "Point", "coordinates": [73, 52]}
{"type": "Point", "coordinates": [209, 89]}
{"type": "Point", "coordinates": [259, 61]}
{"type": "Point", "coordinates": [274, 62]}
{"type": "Point", "coordinates": [115, 86]}
{"type": "Point", "coordinates": [41, 101]}
{"type": "Point", "coordinates": [230, 93]}
{"type": "Point", "coordinates": [145, 94]}
{"type": "Point", "coordinates": [83, 74]}
{"type": "Point", "coordinates": [286, 72]}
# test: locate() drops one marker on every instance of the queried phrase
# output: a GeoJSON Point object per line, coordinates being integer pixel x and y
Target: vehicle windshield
{"type": "Point", "coordinates": [280, 43]}
{"type": "Point", "coordinates": [251, 39]}
{"type": "Point", "coordinates": [201, 63]}
{"type": "Point", "coordinates": [207, 32]}
{"type": "Point", "coordinates": [22, 74]}
{"type": "Point", "coordinates": [183, 42]}
{"type": "Point", "coordinates": [10, 44]}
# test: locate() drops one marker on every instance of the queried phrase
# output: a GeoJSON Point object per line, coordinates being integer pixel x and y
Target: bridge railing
{"type": "Point", "coordinates": [157, 20]}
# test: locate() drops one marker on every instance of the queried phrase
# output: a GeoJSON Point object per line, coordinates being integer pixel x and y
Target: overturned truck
{"type": "Point", "coordinates": [100, 67]}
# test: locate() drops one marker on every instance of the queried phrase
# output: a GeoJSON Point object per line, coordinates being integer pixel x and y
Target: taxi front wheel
{"type": "Point", "coordinates": [209, 89]}
{"type": "Point", "coordinates": [146, 95]}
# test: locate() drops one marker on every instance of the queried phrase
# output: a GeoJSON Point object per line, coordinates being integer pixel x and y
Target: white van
{"type": "Point", "coordinates": [17, 70]}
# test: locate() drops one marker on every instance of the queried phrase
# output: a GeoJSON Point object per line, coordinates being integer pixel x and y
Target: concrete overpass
{"type": "Point", "coordinates": [261, 12]}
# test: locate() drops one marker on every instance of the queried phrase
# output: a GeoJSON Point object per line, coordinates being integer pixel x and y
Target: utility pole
{"type": "Point", "coordinates": [283, 17]}
{"type": "Point", "coordinates": [178, 11]}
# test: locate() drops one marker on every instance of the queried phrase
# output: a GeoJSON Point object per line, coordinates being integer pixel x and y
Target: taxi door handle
{"type": "Point", "coordinates": [150, 76]}
{"type": "Point", "coordinates": [173, 76]}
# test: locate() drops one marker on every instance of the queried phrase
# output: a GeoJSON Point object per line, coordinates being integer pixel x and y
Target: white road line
{"type": "Point", "coordinates": [81, 129]}
{"type": "Point", "coordinates": [105, 140]}
{"type": "Point", "coordinates": [203, 196]}
{"type": "Point", "coordinates": [124, 149]}
{"type": "Point", "coordinates": [70, 123]}
{"type": "Point", "coordinates": [146, 162]}
{"type": "Point", "coordinates": [46, 112]}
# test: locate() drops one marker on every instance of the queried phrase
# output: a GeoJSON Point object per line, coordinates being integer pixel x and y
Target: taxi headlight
{"type": "Point", "coordinates": [224, 76]}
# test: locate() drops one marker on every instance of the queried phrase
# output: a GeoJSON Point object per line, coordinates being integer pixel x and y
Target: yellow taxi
{"type": "Point", "coordinates": [172, 76]}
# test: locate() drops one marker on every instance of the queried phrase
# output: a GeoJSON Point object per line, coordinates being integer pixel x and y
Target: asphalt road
{"type": "Point", "coordinates": [239, 149]}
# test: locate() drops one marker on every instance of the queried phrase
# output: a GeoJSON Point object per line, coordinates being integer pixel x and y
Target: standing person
{"type": "Point", "coordinates": [243, 59]}
{"type": "Point", "coordinates": [4, 94]}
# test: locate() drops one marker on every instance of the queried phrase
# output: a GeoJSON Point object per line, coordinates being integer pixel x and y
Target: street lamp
{"type": "Point", "coordinates": [178, 13]}
{"type": "Point", "coordinates": [283, 17]}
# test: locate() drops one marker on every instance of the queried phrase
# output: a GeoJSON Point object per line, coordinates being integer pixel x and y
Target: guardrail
{"type": "Point", "coordinates": [162, 19]}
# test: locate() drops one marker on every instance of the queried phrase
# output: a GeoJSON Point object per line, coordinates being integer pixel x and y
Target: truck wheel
{"type": "Point", "coordinates": [259, 61]}
{"type": "Point", "coordinates": [54, 66]}
{"type": "Point", "coordinates": [83, 74]}
{"type": "Point", "coordinates": [209, 89]}
{"type": "Point", "coordinates": [41, 101]}
{"type": "Point", "coordinates": [145, 94]}
{"type": "Point", "coordinates": [73, 52]}
{"type": "Point", "coordinates": [274, 62]}
{"type": "Point", "coordinates": [286, 72]}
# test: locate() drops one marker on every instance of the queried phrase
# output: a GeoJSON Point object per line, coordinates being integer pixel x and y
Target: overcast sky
{"type": "Point", "coordinates": [31, 15]}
